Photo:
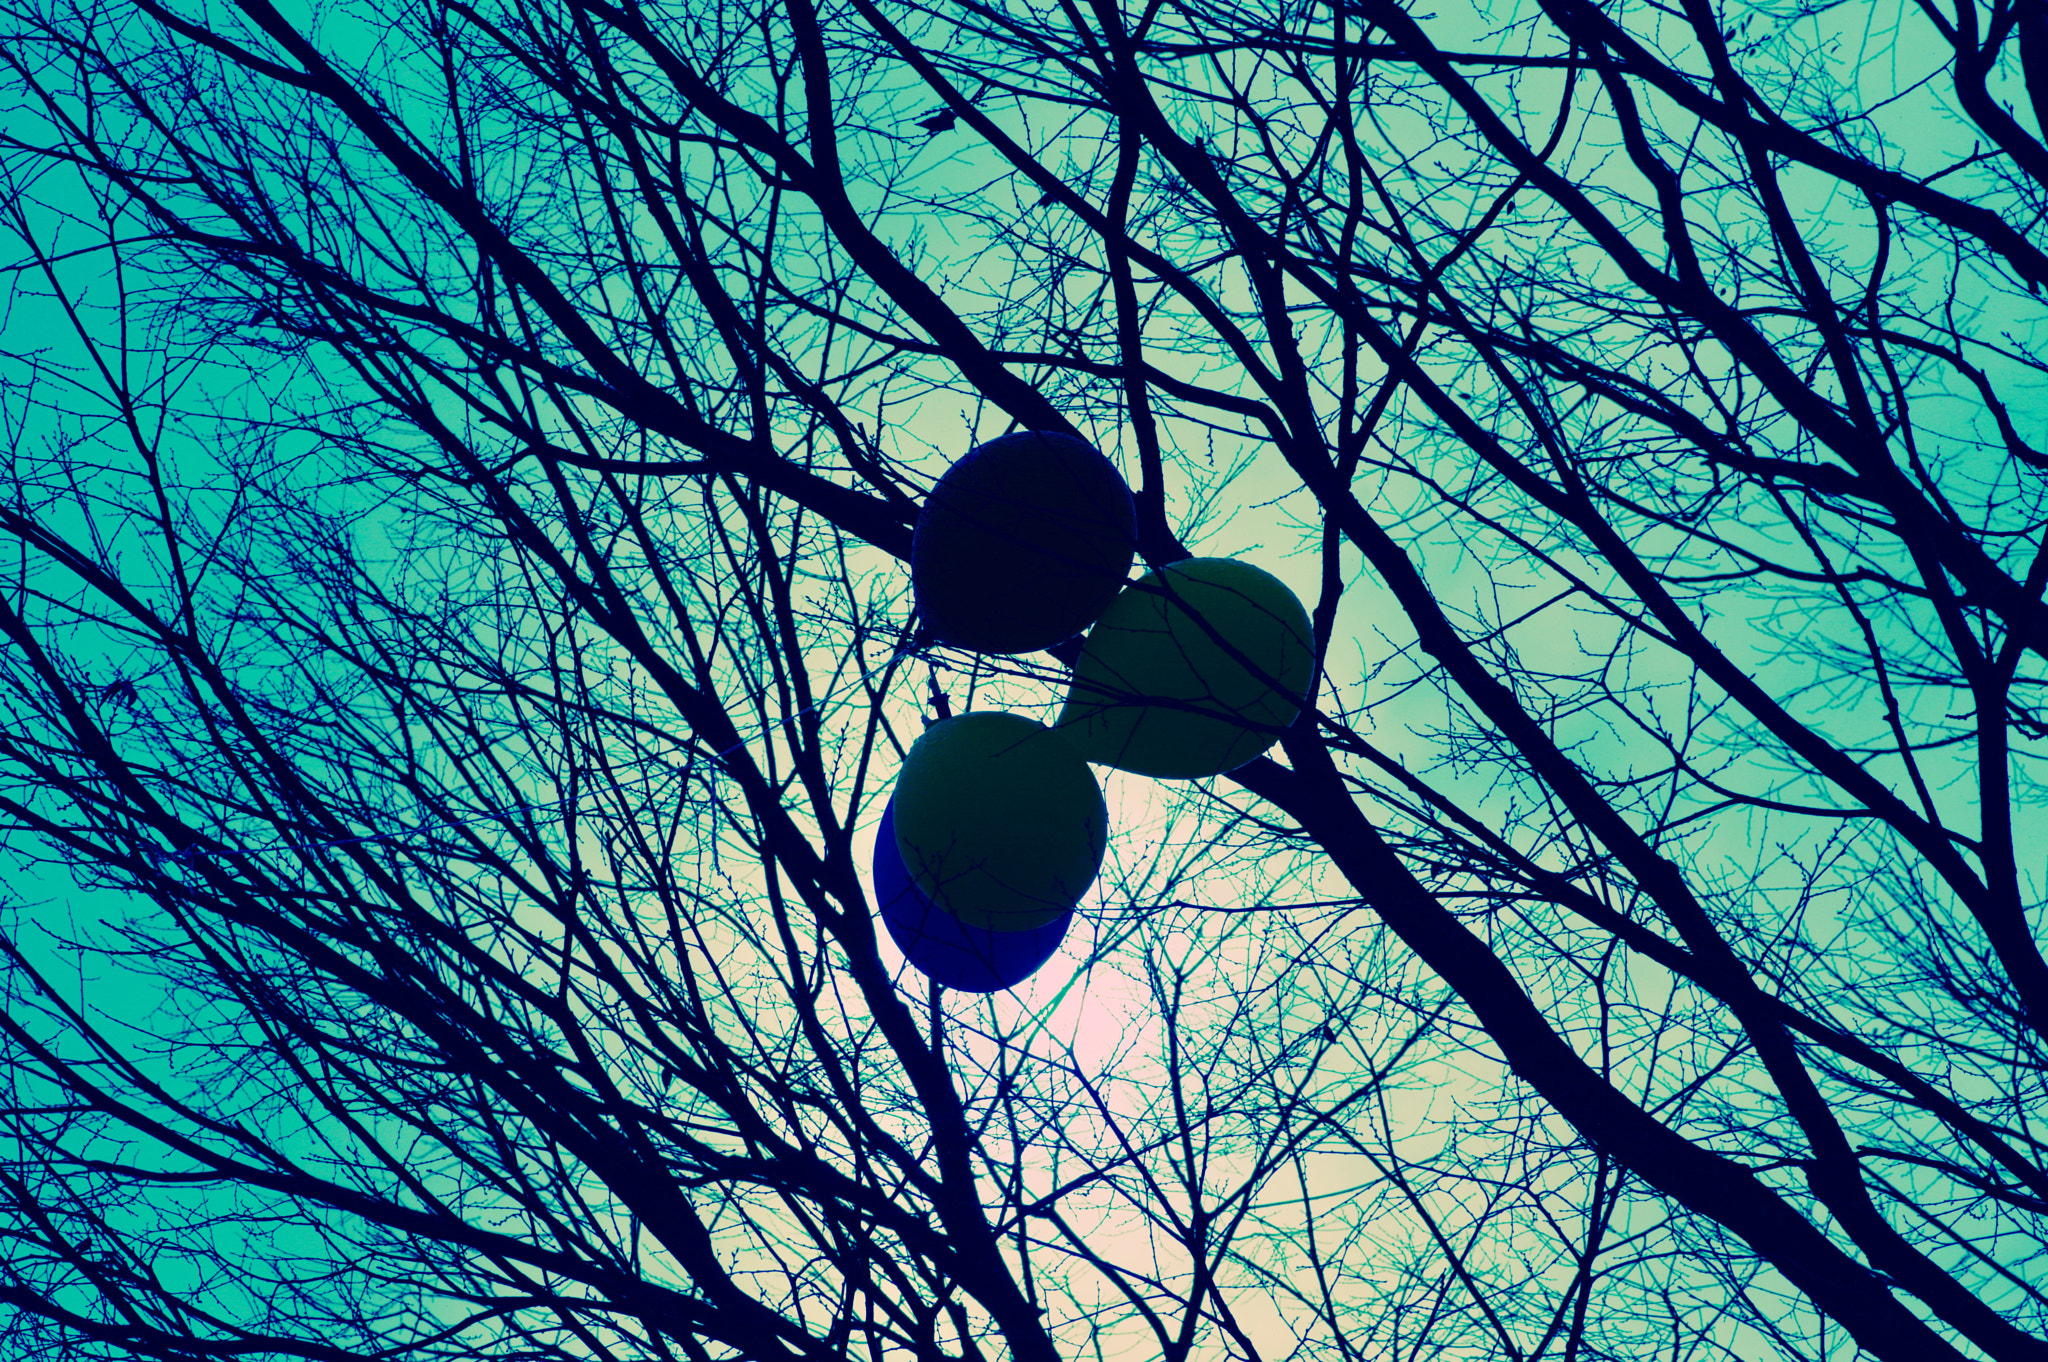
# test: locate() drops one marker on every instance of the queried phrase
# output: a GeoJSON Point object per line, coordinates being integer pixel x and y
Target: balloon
{"type": "Point", "coordinates": [999, 821]}
{"type": "Point", "coordinates": [1194, 669]}
{"type": "Point", "coordinates": [943, 947]}
{"type": "Point", "coordinates": [1021, 544]}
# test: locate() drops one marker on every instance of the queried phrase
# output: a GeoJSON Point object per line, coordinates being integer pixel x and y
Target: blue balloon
{"type": "Point", "coordinates": [947, 950]}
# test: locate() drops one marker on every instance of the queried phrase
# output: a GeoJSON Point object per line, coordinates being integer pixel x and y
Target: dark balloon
{"type": "Point", "coordinates": [943, 948]}
{"type": "Point", "coordinates": [1022, 544]}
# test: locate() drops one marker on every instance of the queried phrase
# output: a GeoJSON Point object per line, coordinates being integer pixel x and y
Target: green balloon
{"type": "Point", "coordinates": [1194, 669]}
{"type": "Point", "coordinates": [999, 820]}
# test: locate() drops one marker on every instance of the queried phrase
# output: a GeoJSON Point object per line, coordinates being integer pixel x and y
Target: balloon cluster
{"type": "Point", "coordinates": [997, 826]}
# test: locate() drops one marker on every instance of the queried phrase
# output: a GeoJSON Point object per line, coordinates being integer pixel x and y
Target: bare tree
{"type": "Point", "coordinates": [456, 653]}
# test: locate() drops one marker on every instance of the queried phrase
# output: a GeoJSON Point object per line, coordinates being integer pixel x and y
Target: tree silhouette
{"type": "Point", "coordinates": [456, 650]}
